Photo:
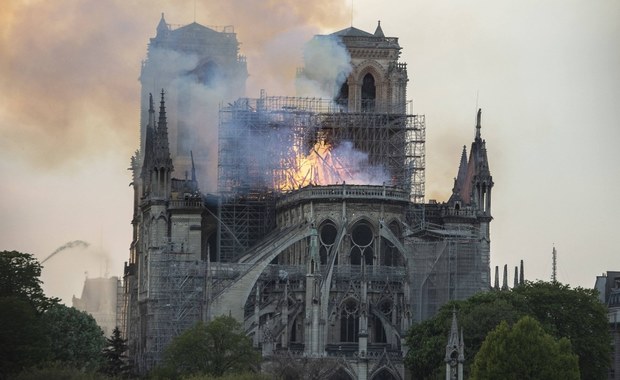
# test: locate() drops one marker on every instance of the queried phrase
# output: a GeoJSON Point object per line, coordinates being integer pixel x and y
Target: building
{"type": "Point", "coordinates": [99, 299]}
{"type": "Point", "coordinates": [318, 239]}
{"type": "Point", "coordinates": [608, 286]}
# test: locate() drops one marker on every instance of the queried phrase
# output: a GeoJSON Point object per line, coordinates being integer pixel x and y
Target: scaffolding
{"type": "Point", "coordinates": [447, 265]}
{"type": "Point", "coordinates": [264, 142]}
{"type": "Point", "coordinates": [173, 301]}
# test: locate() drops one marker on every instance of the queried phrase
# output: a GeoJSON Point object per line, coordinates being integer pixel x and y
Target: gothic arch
{"type": "Point", "coordinates": [369, 67]}
{"type": "Point", "coordinates": [328, 234]}
{"type": "Point", "coordinates": [385, 373]}
{"type": "Point", "coordinates": [342, 373]}
{"type": "Point", "coordinates": [232, 299]}
{"type": "Point", "coordinates": [362, 233]}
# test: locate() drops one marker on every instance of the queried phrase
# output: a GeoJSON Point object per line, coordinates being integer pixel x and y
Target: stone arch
{"type": "Point", "coordinates": [232, 299]}
{"type": "Point", "coordinates": [342, 373]}
{"type": "Point", "coordinates": [385, 232]}
{"type": "Point", "coordinates": [390, 255]}
{"type": "Point", "coordinates": [385, 373]}
{"type": "Point", "coordinates": [369, 67]}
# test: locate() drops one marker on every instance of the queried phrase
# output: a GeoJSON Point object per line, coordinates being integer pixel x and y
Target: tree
{"type": "Point", "coordinates": [477, 316]}
{"type": "Point", "coordinates": [57, 371]}
{"type": "Point", "coordinates": [19, 277]}
{"type": "Point", "coordinates": [22, 339]}
{"type": "Point", "coordinates": [114, 355]}
{"type": "Point", "coordinates": [23, 342]}
{"type": "Point", "coordinates": [214, 349]}
{"type": "Point", "coordinates": [563, 312]}
{"type": "Point", "coordinates": [576, 314]}
{"type": "Point", "coordinates": [524, 351]}
{"type": "Point", "coordinates": [75, 337]}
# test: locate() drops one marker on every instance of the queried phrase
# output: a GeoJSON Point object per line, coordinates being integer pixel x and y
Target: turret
{"type": "Point", "coordinates": [157, 166]}
{"type": "Point", "coordinates": [162, 28]}
{"type": "Point", "coordinates": [473, 185]}
{"type": "Point", "coordinates": [455, 352]}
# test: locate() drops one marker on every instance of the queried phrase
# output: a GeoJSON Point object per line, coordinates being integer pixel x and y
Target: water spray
{"type": "Point", "coordinates": [71, 244]}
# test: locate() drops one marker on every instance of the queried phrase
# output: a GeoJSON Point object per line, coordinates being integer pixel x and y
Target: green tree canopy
{"type": "Point", "coordinates": [563, 312]}
{"type": "Point", "coordinates": [23, 342]}
{"type": "Point", "coordinates": [215, 349]}
{"type": "Point", "coordinates": [524, 351]}
{"type": "Point", "coordinates": [75, 337]}
{"type": "Point", "coordinates": [576, 314]}
{"type": "Point", "coordinates": [19, 277]}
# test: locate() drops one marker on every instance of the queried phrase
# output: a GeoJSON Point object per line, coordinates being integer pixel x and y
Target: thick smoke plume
{"type": "Point", "coordinates": [69, 245]}
{"type": "Point", "coordinates": [327, 64]}
{"type": "Point", "coordinates": [69, 68]}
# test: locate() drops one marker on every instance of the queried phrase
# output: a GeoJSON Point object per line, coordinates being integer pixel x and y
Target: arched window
{"type": "Point", "coordinates": [327, 238]}
{"type": "Point", "coordinates": [349, 321]}
{"type": "Point", "coordinates": [369, 93]}
{"type": "Point", "coordinates": [362, 239]}
{"type": "Point", "coordinates": [384, 374]}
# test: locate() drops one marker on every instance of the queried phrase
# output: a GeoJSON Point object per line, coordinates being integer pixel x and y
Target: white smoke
{"type": "Point", "coordinates": [194, 91]}
{"type": "Point", "coordinates": [327, 64]}
{"type": "Point", "coordinates": [359, 171]}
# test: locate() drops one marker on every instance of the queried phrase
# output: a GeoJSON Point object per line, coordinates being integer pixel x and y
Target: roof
{"type": "Point", "coordinates": [352, 32]}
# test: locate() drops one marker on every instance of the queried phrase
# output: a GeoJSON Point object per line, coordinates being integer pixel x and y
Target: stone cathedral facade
{"type": "Point", "coordinates": [333, 272]}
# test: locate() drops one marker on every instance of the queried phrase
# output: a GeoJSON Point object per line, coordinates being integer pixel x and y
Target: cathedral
{"type": "Point", "coordinates": [302, 217]}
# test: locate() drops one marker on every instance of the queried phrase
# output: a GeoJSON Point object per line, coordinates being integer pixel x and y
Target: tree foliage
{"type": "Point", "coordinates": [58, 371]}
{"type": "Point", "coordinates": [575, 314]}
{"type": "Point", "coordinates": [23, 342]}
{"type": "Point", "coordinates": [19, 278]}
{"type": "Point", "coordinates": [524, 351]}
{"type": "Point", "coordinates": [115, 355]}
{"type": "Point", "coordinates": [75, 337]}
{"type": "Point", "coordinates": [218, 348]}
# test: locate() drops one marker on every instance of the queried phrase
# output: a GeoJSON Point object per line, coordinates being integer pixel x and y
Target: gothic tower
{"type": "Point", "coordinates": [200, 67]}
{"type": "Point", "coordinates": [377, 82]}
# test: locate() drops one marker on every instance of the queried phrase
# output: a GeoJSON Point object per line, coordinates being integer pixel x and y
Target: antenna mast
{"type": "Point", "coordinates": [554, 265]}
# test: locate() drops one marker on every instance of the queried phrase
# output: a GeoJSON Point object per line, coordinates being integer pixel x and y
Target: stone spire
{"type": "Point", "coordinates": [516, 283]}
{"type": "Point", "coordinates": [162, 27]}
{"type": "Point", "coordinates": [162, 146]}
{"type": "Point", "coordinates": [496, 285]}
{"type": "Point", "coordinates": [478, 124]}
{"type": "Point", "coordinates": [521, 275]}
{"type": "Point", "coordinates": [505, 281]}
{"type": "Point", "coordinates": [147, 154]}
{"type": "Point", "coordinates": [455, 352]}
{"type": "Point", "coordinates": [379, 31]}
{"type": "Point", "coordinates": [459, 181]}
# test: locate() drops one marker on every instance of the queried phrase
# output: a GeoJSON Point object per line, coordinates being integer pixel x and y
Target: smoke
{"type": "Point", "coordinates": [327, 64]}
{"type": "Point", "coordinates": [357, 169]}
{"type": "Point", "coordinates": [69, 68]}
{"type": "Point", "coordinates": [69, 245]}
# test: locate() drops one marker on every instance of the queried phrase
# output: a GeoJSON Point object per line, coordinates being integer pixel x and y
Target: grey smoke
{"type": "Point", "coordinates": [327, 64]}
{"type": "Point", "coordinates": [69, 245]}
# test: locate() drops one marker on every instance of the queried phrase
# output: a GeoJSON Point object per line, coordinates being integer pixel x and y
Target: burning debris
{"type": "Point", "coordinates": [327, 164]}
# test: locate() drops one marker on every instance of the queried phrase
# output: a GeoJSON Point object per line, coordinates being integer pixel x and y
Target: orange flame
{"type": "Point", "coordinates": [319, 167]}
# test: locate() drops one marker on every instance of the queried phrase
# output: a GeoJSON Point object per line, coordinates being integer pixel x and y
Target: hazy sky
{"type": "Point", "coordinates": [545, 73]}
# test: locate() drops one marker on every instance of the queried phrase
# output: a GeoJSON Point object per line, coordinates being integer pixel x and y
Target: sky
{"type": "Point", "coordinates": [545, 73]}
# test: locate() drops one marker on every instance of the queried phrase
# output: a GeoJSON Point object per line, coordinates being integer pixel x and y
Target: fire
{"type": "Point", "coordinates": [329, 165]}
